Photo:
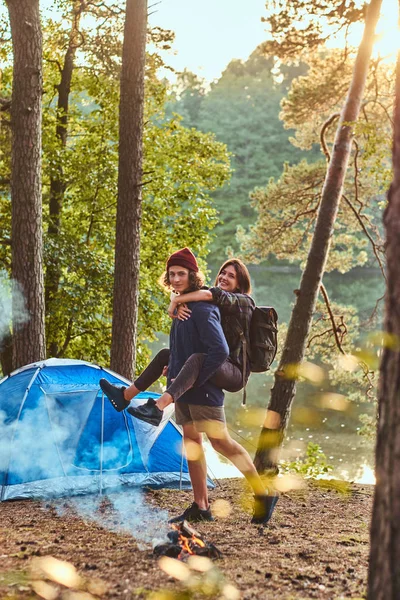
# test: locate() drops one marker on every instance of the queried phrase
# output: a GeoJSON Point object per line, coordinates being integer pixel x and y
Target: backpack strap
{"type": "Point", "coordinates": [245, 359]}
{"type": "Point", "coordinates": [244, 348]}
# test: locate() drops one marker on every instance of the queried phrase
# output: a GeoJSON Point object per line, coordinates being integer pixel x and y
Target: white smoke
{"type": "Point", "coordinates": [43, 438]}
{"type": "Point", "coordinates": [11, 310]}
{"type": "Point", "coordinates": [122, 512]}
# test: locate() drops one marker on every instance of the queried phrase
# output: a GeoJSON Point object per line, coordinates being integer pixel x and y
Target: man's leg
{"type": "Point", "coordinates": [225, 445]}
{"type": "Point", "coordinates": [212, 422]}
{"type": "Point", "coordinates": [193, 441]}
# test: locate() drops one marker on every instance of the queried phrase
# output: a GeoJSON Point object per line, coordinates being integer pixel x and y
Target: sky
{"type": "Point", "coordinates": [210, 33]}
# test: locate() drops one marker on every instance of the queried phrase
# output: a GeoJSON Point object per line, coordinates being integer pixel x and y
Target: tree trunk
{"type": "Point", "coordinates": [6, 353]}
{"type": "Point", "coordinates": [127, 244]}
{"type": "Point", "coordinates": [384, 573]}
{"type": "Point", "coordinates": [26, 192]}
{"type": "Point", "coordinates": [283, 392]}
{"type": "Point", "coordinates": [57, 181]}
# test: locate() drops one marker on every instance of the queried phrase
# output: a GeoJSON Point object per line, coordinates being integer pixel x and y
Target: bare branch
{"type": "Point", "coordinates": [324, 127]}
{"type": "Point", "coordinates": [56, 62]}
{"type": "Point", "coordinates": [373, 244]}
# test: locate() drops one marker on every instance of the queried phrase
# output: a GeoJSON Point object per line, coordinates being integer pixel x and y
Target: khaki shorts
{"type": "Point", "coordinates": [207, 419]}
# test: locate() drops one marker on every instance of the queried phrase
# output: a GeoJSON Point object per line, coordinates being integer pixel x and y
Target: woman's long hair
{"type": "Point", "coordinates": [242, 274]}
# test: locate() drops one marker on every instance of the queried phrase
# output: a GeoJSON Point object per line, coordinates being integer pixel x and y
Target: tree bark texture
{"type": "Point", "coordinates": [6, 354]}
{"type": "Point", "coordinates": [58, 184]}
{"type": "Point", "coordinates": [283, 392]}
{"type": "Point", "coordinates": [384, 572]}
{"type": "Point", "coordinates": [26, 192]}
{"type": "Point", "coordinates": [129, 205]}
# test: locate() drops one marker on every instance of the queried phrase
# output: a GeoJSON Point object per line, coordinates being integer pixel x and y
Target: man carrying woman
{"type": "Point", "coordinates": [200, 366]}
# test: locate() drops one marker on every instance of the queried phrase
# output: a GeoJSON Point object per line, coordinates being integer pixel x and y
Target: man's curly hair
{"type": "Point", "coordinates": [196, 281]}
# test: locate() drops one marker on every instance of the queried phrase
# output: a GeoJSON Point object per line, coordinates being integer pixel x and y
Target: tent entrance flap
{"type": "Point", "coordinates": [82, 439]}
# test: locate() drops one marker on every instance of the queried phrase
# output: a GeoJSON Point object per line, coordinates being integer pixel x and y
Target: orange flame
{"type": "Point", "coordinates": [188, 544]}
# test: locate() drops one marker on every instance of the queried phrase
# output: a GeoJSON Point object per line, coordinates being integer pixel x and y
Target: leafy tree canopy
{"type": "Point", "coordinates": [242, 110]}
{"type": "Point", "coordinates": [287, 206]}
{"type": "Point", "coordinates": [300, 27]}
{"type": "Point", "coordinates": [181, 167]}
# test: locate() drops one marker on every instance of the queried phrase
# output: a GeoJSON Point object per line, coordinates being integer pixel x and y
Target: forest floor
{"type": "Point", "coordinates": [315, 546]}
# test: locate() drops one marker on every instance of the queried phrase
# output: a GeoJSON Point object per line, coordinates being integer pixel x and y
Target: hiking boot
{"type": "Point", "coordinates": [115, 394]}
{"type": "Point", "coordinates": [263, 508]}
{"type": "Point", "coordinates": [148, 412]}
{"type": "Point", "coordinates": [193, 513]}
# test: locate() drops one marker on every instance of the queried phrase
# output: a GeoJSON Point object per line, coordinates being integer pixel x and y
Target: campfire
{"type": "Point", "coordinates": [185, 541]}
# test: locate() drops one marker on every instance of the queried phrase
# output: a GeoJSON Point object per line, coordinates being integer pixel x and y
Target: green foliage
{"type": "Point", "coordinates": [368, 426]}
{"type": "Point", "coordinates": [302, 26]}
{"type": "Point", "coordinates": [287, 206]}
{"type": "Point", "coordinates": [181, 167]}
{"type": "Point", "coordinates": [242, 110]}
{"type": "Point", "coordinates": [310, 466]}
{"type": "Point", "coordinates": [287, 210]}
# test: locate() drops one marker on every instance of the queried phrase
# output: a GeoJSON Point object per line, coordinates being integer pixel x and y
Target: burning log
{"type": "Point", "coordinates": [185, 541]}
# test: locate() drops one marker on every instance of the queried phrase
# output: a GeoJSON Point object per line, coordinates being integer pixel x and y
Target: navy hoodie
{"type": "Point", "coordinates": [202, 332]}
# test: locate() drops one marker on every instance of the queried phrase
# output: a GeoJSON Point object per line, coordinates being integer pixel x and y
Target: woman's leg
{"type": "Point", "coordinates": [149, 376]}
{"type": "Point", "coordinates": [152, 410]}
{"type": "Point", "coordinates": [185, 380]}
{"type": "Point", "coordinates": [228, 377]}
{"type": "Point", "coordinates": [120, 397]}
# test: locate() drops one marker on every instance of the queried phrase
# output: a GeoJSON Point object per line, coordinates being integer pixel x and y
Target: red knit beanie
{"type": "Point", "coordinates": [183, 258]}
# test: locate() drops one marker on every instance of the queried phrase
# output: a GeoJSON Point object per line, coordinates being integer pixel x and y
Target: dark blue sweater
{"type": "Point", "coordinates": [201, 333]}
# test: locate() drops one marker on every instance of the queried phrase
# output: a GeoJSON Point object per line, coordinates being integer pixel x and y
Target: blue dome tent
{"type": "Point", "coordinates": [59, 436]}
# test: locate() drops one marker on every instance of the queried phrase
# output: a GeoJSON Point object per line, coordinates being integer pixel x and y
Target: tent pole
{"type": "Point", "coordinates": [101, 443]}
{"type": "Point", "coordinates": [181, 474]}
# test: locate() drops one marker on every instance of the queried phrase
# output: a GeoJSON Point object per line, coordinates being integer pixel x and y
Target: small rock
{"type": "Point", "coordinates": [274, 540]}
{"type": "Point", "coordinates": [328, 569]}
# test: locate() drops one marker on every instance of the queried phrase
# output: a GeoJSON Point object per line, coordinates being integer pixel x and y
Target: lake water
{"type": "Point", "coordinates": [350, 454]}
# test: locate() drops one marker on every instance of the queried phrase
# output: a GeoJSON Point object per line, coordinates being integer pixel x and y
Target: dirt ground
{"type": "Point", "coordinates": [316, 546]}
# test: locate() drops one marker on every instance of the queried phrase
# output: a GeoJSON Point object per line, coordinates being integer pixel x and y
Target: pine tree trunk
{"type": "Point", "coordinates": [26, 193]}
{"type": "Point", "coordinates": [384, 572]}
{"type": "Point", "coordinates": [6, 353]}
{"type": "Point", "coordinates": [127, 245]}
{"type": "Point", "coordinates": [283, 392]}
{"type": "Point", "coordinates": [57, 181]}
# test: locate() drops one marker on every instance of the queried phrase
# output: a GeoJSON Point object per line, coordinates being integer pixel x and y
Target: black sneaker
{"type": "Point", "coordinates": [115, 394]}
{"type": "Point", "coordinates": [193, 513]}
{"type": "Point", "coordinates": [148, 412]}
{"type": "Point", "coordinates": [263, 508]}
